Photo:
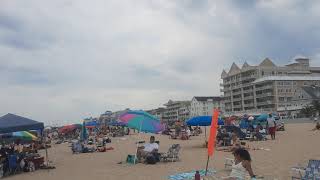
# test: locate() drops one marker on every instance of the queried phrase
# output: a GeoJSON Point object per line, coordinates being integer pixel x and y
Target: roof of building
{"type": "Point", "coordinates": [288, 78]}
{"type": "Point", "coordinates": [224, 74]}
{"type": "Point", "coordinates": [234, 69]}
{"type": "Point", "coordinates": [245, 65]}
{"type": "Point", "coordinates": [206, 98]}
{"type": "Point", "coordinates": [170, 102]}
{"type": "Point", "coordinates": [267, 62]}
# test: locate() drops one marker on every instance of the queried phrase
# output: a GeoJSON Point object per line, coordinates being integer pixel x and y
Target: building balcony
{"type": "Point", "coordinates": [264, 95]}
{"type": "Point", "coordinates": [236, 87]}
{"type": "Point", "coordinates": [244, 78]}
{"type": "Point", "coordinates": [264, 103]}
{"type": "Point", "coordinates": [237, 99]}
{"type": "Point", "coordinates": [247, 85]}
{"type": "Point", "coordinates": [238, 92]}
{"type": "Point", "coordinates": [248, 97]}
{"type": "Point", "coordinates": [237, 106]}
{"type": "Point", "coordinates": [249, 105]}
{"type": "Point", "coordinates": [247, 91]}
{"type": "Point", "coordinates": [264, 87]}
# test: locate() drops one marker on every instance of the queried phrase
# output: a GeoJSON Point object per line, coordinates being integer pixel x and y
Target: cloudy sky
{"type": "Point", "coordinates": [64, 60]}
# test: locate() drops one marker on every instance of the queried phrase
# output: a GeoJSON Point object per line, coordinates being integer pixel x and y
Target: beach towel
{"type": "Point", "coordinates": [190, 175]}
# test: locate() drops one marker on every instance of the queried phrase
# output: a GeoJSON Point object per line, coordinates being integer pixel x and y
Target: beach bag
{"type": "Point", "coordinates": [130, 159]}
{"type": "Point", "coordinates": [150, 159]}
{"type": "Point", "coordinates": [108, 140]}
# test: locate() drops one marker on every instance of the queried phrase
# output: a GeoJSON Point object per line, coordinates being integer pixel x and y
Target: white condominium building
{"type": "Point", "coordinates": [267, 87]}
{"type": "Point", "coordinates": [203, 106]}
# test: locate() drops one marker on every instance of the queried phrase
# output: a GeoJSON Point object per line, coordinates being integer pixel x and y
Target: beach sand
{"type": "Point", "coordinates": [294, 146]}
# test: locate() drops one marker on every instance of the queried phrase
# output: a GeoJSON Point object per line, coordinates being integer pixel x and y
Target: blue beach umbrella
{"type": "Point", "coordinates": [202, 121]}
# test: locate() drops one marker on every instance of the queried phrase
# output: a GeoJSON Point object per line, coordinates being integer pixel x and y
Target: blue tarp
{"type": "Point", "coordinates": [13, 123]}
{"type": "Point", "coordinates": [92, 123]}
{"type": "Point", "coordinates": [202, 121]}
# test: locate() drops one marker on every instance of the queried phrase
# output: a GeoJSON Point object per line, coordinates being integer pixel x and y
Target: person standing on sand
{"type": "Point", "coordinates": [271, 124]}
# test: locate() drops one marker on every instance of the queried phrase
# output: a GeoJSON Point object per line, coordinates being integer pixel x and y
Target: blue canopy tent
{"type": "Point", "coordinates": [13, 123]}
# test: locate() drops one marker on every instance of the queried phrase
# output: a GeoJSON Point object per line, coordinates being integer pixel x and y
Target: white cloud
{"type": "Point", "coordinates": [65, 60]}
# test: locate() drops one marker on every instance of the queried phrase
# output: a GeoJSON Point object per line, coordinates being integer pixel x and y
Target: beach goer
{"type": "Point", "coordinates": [234, 137]}
{"type": "Point", "coordinates": [177, 128]}
{"type": "Point", "coordinates": [317, 127]}
{"type": "Point", "coordinates": [241, 166]}
{"type": "Point", "coordinates": [148, 148]}
{"type": "Point", "coordinates": [188, 131]}
{"type": "Point", "coordinates": [258, 131]}
{"type": "Point", "coordinates": [271, 123]}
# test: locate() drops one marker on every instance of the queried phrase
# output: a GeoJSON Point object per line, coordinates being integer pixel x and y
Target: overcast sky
{"type": "Point", "coordinates": [63, 60]}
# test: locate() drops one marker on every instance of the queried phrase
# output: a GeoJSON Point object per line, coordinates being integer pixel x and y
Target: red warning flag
{"type": "Point", "coordinates": [213, 132]}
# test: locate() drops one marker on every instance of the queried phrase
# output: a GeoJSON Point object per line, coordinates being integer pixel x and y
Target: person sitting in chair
{"type": "Point", "coordinates": [317, 127]}
{"type": "Point", "coordinates": [148, 148]}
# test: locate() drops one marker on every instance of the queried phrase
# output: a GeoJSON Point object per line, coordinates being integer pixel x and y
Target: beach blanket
{"type": "Point", "coordinates": [190, 175]}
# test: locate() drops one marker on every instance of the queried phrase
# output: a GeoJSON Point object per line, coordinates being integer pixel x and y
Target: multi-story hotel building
{"type": "Point", "coordinates": [203, 105]}
{"type": "Point", "coordinates": [177, 110]}
{"type": "Point", "coordinates": [267, 87]}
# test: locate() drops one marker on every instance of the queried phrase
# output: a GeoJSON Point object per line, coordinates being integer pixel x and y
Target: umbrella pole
{"type": "Point", "coordinates": [45, 147]}
{"type": "Point", "coordinates": [205, 132]}
{"type": "Point", "coordinates": [134, 160]}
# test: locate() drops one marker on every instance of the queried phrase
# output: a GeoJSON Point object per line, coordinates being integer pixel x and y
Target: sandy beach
{"type": "Point", "coordinates": [294, 146]}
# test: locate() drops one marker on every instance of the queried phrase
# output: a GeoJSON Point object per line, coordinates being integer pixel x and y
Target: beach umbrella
{"type": "Point", "coordinates": [202, 121]}
{"type": "Point", "coordinates": [263, 117]}
{"type": "Point", "coordinates": [141, 121]}
{"type": "Point", "coordinates": [69, 128]}
{"type": "Point", "coordinates": [91, 124]}
{"type": "Point", "coordinates": [116, 123]}
{"type": "Point", "coordinates": [24, 135]}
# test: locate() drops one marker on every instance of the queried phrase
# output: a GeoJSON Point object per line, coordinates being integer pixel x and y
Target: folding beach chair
{"type": "Point", "coordinates": [172, 154]}
{"type": "Point", "coordinates": [312, 170]}
{"type": "Point", "coordinates": [297, 172]}
{"type": "Point", "coordinates": [228, 163]}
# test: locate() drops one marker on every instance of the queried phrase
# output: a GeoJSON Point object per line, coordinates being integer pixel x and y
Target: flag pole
{"type": "Point", "coordinates": [207, 165]}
